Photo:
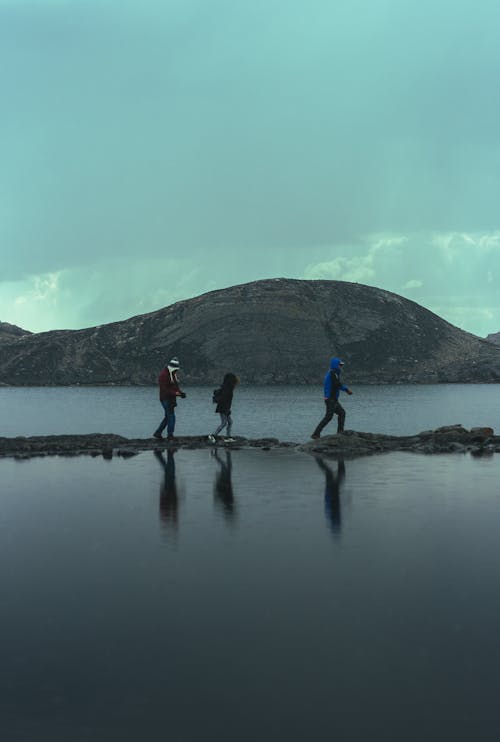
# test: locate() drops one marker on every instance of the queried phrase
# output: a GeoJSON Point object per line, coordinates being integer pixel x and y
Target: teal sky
{"type": "Point", "coordinates": [154, 150]}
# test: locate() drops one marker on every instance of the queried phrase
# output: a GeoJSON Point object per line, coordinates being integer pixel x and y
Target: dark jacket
{"type": "Point", "coordinates": [225, 397]}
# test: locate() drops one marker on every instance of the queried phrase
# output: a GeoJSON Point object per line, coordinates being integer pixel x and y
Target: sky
{"type": "Point", "coordinates": [152, 151]}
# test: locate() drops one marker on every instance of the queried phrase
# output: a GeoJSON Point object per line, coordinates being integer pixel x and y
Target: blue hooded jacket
{"type": "Point", "coordinates": [334, 385]}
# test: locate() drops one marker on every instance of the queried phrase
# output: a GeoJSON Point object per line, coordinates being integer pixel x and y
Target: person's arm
{"type": "Point", "coordinates": [328, 385]}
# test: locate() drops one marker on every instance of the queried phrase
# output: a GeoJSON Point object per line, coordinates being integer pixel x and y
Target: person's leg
{"type": "Point", "coordinates": [161, 427]}
{"type": "Point", "coordinates": [330, 406]}
{"type": "Point", "coordinates": [223, 423]}
{"type": "Point", "coordinates": [170, 421]}
{"type": "Point", "coordinates": [229, 425]}
{"type": "Point", "coordinates": [341, 415]}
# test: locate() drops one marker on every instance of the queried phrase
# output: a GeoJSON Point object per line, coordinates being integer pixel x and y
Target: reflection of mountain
{"type": "Point", "coordinates": [223, 486]}
{"type": "Point", "coordinates": [169, 500]}
{"type": "Point", "coordinates": [333, 483]}
{"type": "Point", "coordinates": [256, 330]}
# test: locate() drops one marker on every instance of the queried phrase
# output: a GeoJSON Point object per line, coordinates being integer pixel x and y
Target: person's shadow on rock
{"type": "Point", "coordinates": [333, 483]}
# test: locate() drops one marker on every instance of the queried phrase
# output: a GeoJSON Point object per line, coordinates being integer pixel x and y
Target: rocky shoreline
{"type": "Point", "coordinates": [350, 444]}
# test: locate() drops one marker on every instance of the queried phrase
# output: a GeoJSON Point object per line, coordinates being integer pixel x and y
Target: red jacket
{"type": "Point", "coordinates": [169, 386]}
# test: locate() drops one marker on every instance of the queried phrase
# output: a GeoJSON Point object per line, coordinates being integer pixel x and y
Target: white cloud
{"type": "Point", "coordinates": [360, 269]}
{"type": "Point", "coordinates": [343, 269]}
{"type": "Point", "coordinates": [457, 246]}
{"type": "Point", "coordinates": [42, 288]}
{"type": "Point", "coordinates": [412, 284]}
{"type": "Point", "coordinates": [109, 291]}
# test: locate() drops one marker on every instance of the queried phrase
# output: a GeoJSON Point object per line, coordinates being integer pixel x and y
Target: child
{"type": "Point", "coordinates": [224, 397]}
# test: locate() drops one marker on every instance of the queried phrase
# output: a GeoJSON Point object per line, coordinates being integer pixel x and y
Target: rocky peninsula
{"type": "Point", "coordinates": [350, 444]}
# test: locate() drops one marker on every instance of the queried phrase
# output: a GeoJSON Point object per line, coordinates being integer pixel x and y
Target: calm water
{"type": "Point", "coordinates": [288, 413]}
{"type": "Point", "coordinates": [254, 596]}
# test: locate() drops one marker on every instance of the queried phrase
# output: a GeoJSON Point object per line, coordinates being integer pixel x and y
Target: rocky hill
{"type": "Point", "coordinates": [494, 337]}
{"type": "Point", "coordinates": [273, 331]}
{"type": "Point", "coordinates": [8, 332]}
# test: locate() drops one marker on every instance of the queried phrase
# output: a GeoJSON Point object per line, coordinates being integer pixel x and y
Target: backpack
{"type": "Point", "coordinates": [217, 396]}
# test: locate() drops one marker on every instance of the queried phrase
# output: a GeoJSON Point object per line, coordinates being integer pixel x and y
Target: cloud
{"type": "Point", "coordinates": [110, 291]}
{"type": "Point", "coordinates": [412, 284]}
{"type": "Point", "coordinates": [361, 269]}
{"type": "Point", "coordinates": [468, 296]}
{"type": "Point", "coordinates": [233, 139]}
{"type": "Point", "coordinates": [44, 289]}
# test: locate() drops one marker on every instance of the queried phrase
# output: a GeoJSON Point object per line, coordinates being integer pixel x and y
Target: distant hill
{"type": "Point", "coordinates": [273, 331]}
{"type": "Point", "coordinates": [494, 338]}
{"type": "Point", "coordinates": [7, 331]}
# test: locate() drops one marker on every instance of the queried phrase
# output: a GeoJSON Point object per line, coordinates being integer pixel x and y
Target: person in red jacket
{"type": "Point", "coordinates": [169, 391]}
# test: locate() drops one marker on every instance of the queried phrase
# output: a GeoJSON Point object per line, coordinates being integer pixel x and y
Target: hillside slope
{"type": "Point", "coordinates": [271, 331]}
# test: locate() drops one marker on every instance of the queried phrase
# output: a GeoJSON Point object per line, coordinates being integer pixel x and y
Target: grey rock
{"type": "Point", "coordinates": [10, 332]}
{"type": "Point", "coordinates": [494, 338]}
{"type": "Point", "coordinates": [278, 331]}
{"type": "Point", "coordinates": [351, 443]}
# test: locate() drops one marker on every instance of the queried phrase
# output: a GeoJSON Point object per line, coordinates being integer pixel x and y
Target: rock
{"type": "Point", "coordinates": [449, 439]}
{"type": "Point", "coordinates": [482, 432]}
{"type": "Point", "coordinates": [494, 337]}
{"type": "Point", "coordinates": [10, 332]}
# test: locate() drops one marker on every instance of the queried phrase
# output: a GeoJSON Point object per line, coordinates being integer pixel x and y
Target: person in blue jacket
{"type": "Point", "coordinates": [333, 387]}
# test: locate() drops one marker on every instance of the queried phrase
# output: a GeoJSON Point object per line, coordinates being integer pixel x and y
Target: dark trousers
{"type": "Point", "coordinates": [333, 407]}
{"type": "Point", "coordinates": [168, 421]}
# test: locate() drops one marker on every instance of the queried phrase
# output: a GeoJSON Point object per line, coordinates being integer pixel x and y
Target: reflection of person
{"type": "Point", "coordinates": [223, 487]}
{"type": "Point", "coordinates": [333, 483]}
{"type": "Point", "coordinates": [332, 388]}
{"type": "Point", "coordinates": [224, 399]}
{"type": "Point", "coordinates": [169, 391]}
{"type": "Point", "coordinates": [168, 489]}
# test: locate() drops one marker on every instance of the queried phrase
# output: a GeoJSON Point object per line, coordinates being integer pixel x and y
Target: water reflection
{"type": "Point", "coordinates": [333, 483]}
{"type": "Point", "coordinates": [223, 486]}
{"type": "Point", "coordinates": [169, 500]}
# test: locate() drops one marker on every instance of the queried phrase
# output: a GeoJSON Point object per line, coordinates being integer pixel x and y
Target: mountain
{"type": "Point", "coordinates": [494, 337]}
{"type": "Point", "coordinates": [272, 331]}
{"type": "Point", "coordinates": [8, 332]}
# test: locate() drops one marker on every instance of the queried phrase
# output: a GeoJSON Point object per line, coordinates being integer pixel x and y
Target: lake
{"type": "Point", "coordinates": [249, 595]}
{"type": "Point", "coordinates": [288, 413]}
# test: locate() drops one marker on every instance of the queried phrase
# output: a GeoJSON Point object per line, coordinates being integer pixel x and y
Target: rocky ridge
{"type": "Point", "coordinates": [277, 331]}
{"type": "Point", "coordinates": [494, 338]}
{"type": "Point", "coordinates": [10, 332]}
{"type": "Point", "coordinates": [350, 444]}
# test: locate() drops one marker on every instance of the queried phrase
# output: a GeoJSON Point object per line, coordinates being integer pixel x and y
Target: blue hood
{"type": "Point", "coordinates": [335, 364]}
